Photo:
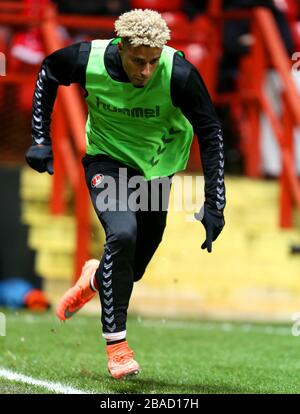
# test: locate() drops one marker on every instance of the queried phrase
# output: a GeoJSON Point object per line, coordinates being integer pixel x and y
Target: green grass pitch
{"type": "Point", "coordinates": [175, 356]}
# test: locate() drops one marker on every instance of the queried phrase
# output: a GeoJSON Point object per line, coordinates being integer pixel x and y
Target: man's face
{"type": "Point", "coordinates": [139, 62]}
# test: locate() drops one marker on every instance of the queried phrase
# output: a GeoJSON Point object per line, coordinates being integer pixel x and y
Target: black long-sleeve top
{"type": "Point", "coordinates": [188, 92]}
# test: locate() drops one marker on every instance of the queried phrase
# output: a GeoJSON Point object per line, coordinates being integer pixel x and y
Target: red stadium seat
{"type": "Point", "coordinates": [199, 56]}
{"type": "Point", "coordinates": [160, 5]}
{"type": "Point", "coordinates": [179, 25]}
{"type": "Point", "coordinates": [290, 9]}
{"type": "Point", "coordinates": [175, 20]}
{"type": "Point", "coordinates": [201, 29]}
{"type": "Point", "coordinates": [295, 27]}
{"type": "Point", "coordinates": [196, 54]}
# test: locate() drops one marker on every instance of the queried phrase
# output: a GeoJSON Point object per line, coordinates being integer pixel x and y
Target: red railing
{"type": "Point", "coordinates": [69, 122]}
{"type": "Point", "coordinates": [267, 52]}
{"type": "Point", "coordinates": [290, 186]}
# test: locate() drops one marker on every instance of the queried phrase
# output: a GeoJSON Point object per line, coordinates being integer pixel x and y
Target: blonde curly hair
{"type": "Point", "coordinates": [143, 28]}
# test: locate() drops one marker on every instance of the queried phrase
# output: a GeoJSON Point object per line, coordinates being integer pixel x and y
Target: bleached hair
{"type": "Point", "coordinates": [143, 27]}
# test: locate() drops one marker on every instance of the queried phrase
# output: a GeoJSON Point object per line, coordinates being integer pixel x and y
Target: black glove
{"type": "Point", "coordinates": [40, 158]}
{"type": "Point", "coordinates": [213, 222]}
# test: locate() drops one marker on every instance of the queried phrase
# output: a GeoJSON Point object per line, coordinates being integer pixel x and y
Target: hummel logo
{"type": "Point", "coordinates": [110, 320]}
{"type": "Point", "coordinates": [154, 162]}
{"type": "Point", "coordinates": [108, 302]}
{"type": "Point", "coordinates": [167, 140]}
{"type": "Point", "coordinates": [112, 328]}
{"type": "Point", "coordinates": [39, 140]}
{"type": "Point", "coordinates": [160, 150]}
{"type": "Point", "coordinates": [108, 311]}
{"type": "Point", "coordinates": [220, 206]}
{"type": "Point", "coordinates": [137, 112]}
{"type": "Point", "coordinates": [107, 284]}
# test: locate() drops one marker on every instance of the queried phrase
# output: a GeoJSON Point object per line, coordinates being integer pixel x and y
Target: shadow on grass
{"type": "Point", "coordinates": [140, 385]}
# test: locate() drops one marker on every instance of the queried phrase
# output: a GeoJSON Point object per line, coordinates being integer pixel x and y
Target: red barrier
{"type": "Point", "coordinates": [267, 52]}
{"type": "Point", "coordinates": [71, 119]}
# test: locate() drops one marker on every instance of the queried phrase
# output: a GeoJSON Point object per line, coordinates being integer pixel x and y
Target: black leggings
{"type": "Point", "coordinates": [132, 237]}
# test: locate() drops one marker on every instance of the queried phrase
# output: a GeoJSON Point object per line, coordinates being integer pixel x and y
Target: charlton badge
{"type": "Point", "coordinates": [96, 180]}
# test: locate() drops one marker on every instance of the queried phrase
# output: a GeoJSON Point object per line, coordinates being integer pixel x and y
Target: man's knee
{"type": "Point", "coordinates": [124, 238]}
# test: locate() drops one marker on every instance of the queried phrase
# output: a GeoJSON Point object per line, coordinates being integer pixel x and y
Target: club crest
{"type": "Point", "coordinates": [96, 180]}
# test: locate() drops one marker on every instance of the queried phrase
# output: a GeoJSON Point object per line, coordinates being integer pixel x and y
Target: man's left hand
{"type": "Point", "coordinates": [213, 222]}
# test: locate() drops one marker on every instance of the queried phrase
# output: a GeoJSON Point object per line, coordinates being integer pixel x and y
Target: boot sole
{"type": "Point", "coordinates": [127, 375]}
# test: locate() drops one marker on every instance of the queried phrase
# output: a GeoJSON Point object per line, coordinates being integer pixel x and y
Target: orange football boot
{"type": "Point", "coordinates": [79, 294]}
{"type": "Point", "coordinates": [120, 361]}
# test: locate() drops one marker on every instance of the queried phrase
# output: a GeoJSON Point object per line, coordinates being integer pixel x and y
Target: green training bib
{"type": "Point", "coordinates": [138, 126]}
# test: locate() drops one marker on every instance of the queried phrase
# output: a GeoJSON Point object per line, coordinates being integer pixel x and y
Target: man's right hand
{"type": "Point", "coordinates": [40, 158]}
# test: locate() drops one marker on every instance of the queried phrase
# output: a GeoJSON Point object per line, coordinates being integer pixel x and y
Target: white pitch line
{"type": "Point", "coordinates": [51, 386]}
{"type": "Point", "coordinates": [224, 327]}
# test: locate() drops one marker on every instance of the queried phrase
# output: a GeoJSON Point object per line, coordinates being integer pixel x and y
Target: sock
{"type": "Point", "coordinates": [93, 283]}
{"type": "Point", "coordinates": [115, 342]}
